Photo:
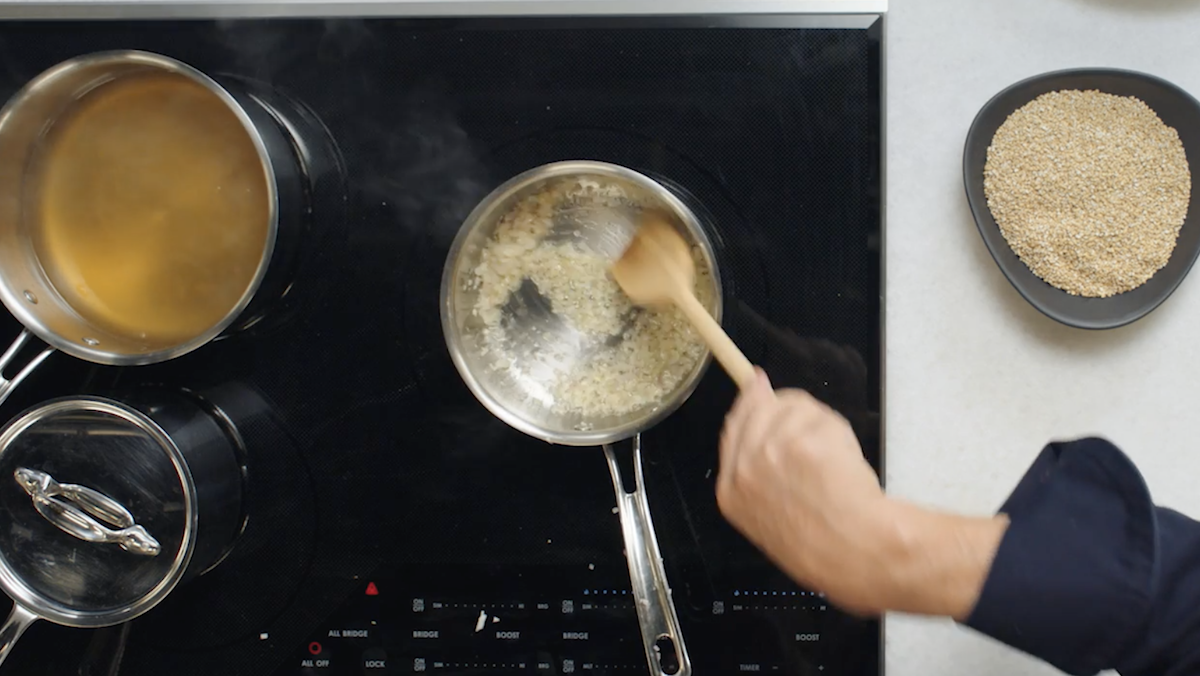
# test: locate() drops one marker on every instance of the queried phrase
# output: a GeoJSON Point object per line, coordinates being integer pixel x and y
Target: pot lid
{"type": "Point", "coordinates": [100, 507]}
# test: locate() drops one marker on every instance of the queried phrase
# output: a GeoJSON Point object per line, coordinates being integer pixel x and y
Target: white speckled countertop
{"type": "Point", "coordinates": [977, 380]}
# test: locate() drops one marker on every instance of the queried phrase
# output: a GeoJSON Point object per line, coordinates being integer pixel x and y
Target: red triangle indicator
{"type": "Point", "coordinates": [372, 590]}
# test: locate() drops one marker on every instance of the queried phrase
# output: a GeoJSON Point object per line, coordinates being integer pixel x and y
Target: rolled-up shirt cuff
{"type": "Point", "coordinates": [1074, 578]}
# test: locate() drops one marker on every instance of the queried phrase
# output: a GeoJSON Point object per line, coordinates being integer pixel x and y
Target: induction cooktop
{"type": "Point", "coordinates": [394, 525]}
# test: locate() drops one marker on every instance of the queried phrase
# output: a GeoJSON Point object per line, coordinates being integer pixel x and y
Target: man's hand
{"type": "Point", "coordinates": [794, 481]}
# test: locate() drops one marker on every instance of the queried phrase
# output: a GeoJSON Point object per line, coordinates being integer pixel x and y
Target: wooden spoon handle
{"type": "Point", "coordinates": [723, 348]}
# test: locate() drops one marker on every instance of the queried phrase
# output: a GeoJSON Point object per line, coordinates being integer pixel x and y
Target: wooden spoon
{"type": "Point", "coordinates": [657, 269]}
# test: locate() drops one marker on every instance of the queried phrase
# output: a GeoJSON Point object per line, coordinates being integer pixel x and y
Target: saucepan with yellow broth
{"type": "Point", "coordinates": [145, 210]}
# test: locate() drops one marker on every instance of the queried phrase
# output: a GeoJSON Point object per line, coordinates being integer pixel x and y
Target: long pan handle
{"type": "Point", "coordinates": [8, 385]}
{"type": "Point", "coordinates": [666, 653]}
{"type": "Point", "coordinates": [16, 624]}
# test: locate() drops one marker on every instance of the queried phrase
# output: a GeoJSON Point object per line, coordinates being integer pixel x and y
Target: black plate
{"type": "Point", "coordinates": [1175, 107]}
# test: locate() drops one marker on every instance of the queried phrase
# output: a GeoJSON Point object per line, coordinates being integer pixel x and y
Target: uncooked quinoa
{"type": "Point", "coordinates": [1089, 189]}
{"type": "Point", "coordinates": [625, 358]}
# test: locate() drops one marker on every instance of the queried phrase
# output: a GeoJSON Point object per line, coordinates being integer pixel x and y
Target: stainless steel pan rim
{"type": "Point", "coordinates": [486, 213]}
{"type": "Point", "coordinates": [19, 301]}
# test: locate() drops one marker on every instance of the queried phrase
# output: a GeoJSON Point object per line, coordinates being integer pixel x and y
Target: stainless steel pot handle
{"type": "Point", "coordinates": [16, 624]}
{"type": "Point", "coordinates": [651, 593]}
{"type": "Point", "coordinates": [82, 512]}
{"type": "Point", "coordinates": [6, 385]}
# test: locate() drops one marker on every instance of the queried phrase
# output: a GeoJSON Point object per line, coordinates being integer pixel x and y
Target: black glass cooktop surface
{"type": "Point", "coordinates": [389, 511]}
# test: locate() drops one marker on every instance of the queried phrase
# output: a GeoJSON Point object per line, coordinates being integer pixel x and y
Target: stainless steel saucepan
{"type": "Point", "coordinates": [112, 502]}
{"type": "Point", "coordinates": [512, 397]}
{"type": "Point", "coordinates": [27, 290]}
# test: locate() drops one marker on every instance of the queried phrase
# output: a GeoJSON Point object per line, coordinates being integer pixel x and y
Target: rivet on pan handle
{"type": "Point", "coordinates": [661, 635]}
{"type": "Point", "coordinates": [84, 513]}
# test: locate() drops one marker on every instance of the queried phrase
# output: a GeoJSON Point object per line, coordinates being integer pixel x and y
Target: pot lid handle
{"type": "Point", "coordinates": [84, 513]}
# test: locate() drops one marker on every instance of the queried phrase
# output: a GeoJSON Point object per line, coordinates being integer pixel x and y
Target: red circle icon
{"type": "Point", "coordinates": [314, 648]}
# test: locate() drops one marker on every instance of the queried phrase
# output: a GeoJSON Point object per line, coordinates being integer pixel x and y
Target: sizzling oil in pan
{"type": "Point", "coordinates": [151, 208]}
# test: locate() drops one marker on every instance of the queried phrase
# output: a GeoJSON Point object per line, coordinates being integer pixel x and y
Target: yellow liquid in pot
{"type": "Point", "coordinates": [151, 208]}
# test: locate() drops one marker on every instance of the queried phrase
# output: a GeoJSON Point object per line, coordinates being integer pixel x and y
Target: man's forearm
{"type": "Point", "coordinates": [936, 563]}
{"type": "Point", "coordinates": [1081, 569]}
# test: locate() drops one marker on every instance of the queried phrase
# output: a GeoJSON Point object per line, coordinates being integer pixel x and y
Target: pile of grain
{"type": "Point", "coordinates": [1089, 189]}
{"type": "Point", "coordinates": [626, 359]}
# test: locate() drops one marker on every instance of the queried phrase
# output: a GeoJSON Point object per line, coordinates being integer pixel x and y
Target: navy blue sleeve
{"type": "Point", "coordinates": [1091, 574]}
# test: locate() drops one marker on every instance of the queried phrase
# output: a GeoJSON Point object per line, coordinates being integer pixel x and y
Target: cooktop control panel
{"type": "Point", "coordinates": [398, 626]}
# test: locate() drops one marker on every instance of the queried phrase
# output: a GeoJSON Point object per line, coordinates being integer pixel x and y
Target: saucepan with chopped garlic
{"type": "Point", "coordinates": [548, 342]}
{"type": "Point", "coordinates": [536, 325]}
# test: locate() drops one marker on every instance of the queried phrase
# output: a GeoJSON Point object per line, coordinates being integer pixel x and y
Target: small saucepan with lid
{"type": "Point", "coordinates": [112, 503]}
{"type": "Point", "coordinates": [516, 393]}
